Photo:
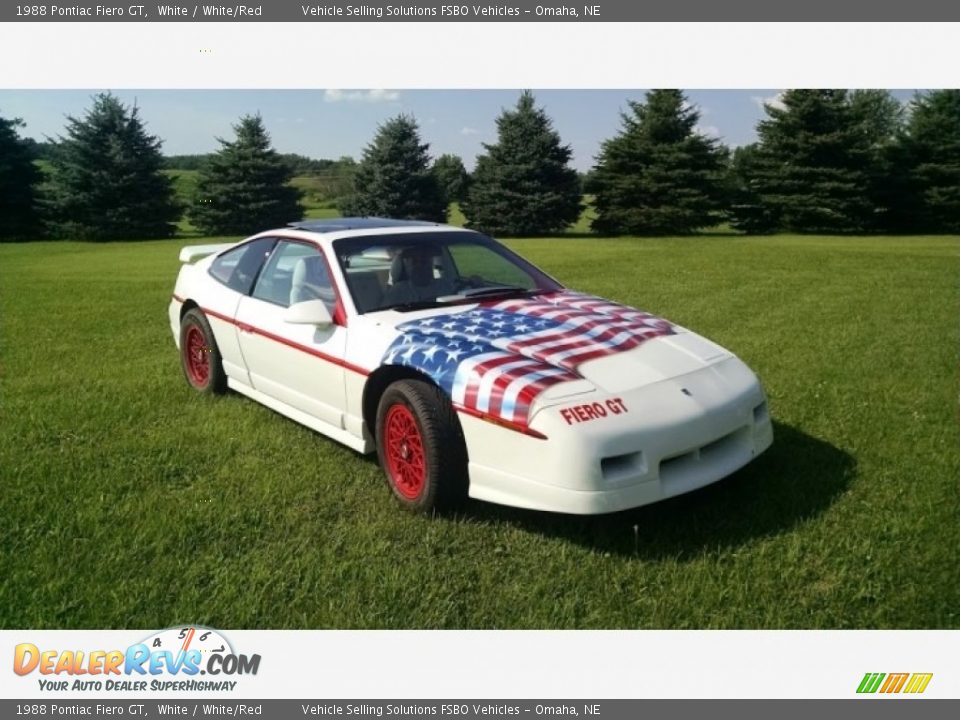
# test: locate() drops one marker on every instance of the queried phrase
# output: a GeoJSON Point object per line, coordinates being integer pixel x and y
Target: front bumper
{"type": "Point", "coordinates": [668, 438]}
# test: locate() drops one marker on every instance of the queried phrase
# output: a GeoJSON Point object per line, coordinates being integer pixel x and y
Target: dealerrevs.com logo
{"type": "Point", "coordinates": [176, 659]}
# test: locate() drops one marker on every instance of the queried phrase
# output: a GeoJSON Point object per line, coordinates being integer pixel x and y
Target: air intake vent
{"type": "Point", "coordinates": [617, 467]}
{"type": "Point", "coordinates": [760, 412]}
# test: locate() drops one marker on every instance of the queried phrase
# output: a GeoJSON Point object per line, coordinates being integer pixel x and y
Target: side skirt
{"type": "Point", "coordinates": [341, 436]}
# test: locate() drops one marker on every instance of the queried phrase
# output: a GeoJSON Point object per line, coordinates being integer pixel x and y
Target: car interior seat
{"type": "Point", "coordinates": [311, 281]}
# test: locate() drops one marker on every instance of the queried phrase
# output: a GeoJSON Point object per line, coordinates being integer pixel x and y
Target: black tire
{"type": "Point", "coordinates": [197, 344]}
{"type": "Point", "coordinates": [443, 481]}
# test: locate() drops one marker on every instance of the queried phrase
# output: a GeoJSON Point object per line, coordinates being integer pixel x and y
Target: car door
{"type": "Point", "coordinates": [299, 365]}
{"type": "Point", "coordinates": [235, 271]}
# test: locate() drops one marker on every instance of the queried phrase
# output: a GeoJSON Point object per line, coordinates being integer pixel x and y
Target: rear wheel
{"type": "Point", "coordinates": [199, 355]}
{"type": "Point", "coordinates": [420, 446]}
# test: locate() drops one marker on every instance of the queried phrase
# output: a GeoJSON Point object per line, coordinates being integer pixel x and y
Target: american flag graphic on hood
{"type": "Point", "coordinates": [497, 358]}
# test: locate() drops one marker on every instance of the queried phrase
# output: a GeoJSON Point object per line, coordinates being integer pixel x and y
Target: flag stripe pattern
{"type": "Point", "coordinates": [498, 357]}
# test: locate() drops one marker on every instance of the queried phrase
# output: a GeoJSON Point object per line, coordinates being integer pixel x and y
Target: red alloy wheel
{"type": "Point", "coordinates": [197, 354]}
{"type": "Point", "coordinates": [406, 461]}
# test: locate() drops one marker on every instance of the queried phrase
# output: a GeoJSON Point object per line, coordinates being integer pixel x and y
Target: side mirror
{"type": "Point", "coordinates": [309, 312]}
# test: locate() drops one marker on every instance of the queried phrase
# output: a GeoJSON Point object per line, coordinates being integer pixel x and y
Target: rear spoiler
{"type": "Point", "coordinates": [192, 253]}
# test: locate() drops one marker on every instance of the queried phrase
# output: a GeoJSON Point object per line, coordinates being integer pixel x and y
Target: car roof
{"type": "Point", "coordinates": [327, 230]}
{"type": "Point", "coordinates": [357, 223]}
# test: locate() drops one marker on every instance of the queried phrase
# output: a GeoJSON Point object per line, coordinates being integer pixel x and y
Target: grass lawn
{"type": "Point", "coordinates": [128, 501]}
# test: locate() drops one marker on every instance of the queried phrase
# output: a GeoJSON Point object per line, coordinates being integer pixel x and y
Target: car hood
{"type": "Point", "coordinates": [498, 357]}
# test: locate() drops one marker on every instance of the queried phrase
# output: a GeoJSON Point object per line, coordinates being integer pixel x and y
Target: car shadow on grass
{"type": "Point", "coordinates": [796, 480]}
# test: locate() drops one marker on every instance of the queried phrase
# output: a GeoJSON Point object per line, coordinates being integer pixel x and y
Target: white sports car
{"type": "Point", "coordinates": [470, 371]}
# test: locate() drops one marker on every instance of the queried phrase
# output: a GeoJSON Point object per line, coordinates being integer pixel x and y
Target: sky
{"type": "Point", "coordinates": [334, 123]}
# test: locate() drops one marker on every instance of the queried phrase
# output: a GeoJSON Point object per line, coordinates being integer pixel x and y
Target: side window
{"type": "Point", "coordinates": [238, 268]}
{"type": "Point", "coordinates": [295, 273]}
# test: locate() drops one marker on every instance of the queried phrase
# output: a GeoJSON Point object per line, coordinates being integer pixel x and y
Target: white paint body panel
{"type": "Point", "coordinates": [689, 411]}
{"type": "Point", "coordinates": [670, 443]}
{"type": "Point", "coordinates": [192, 253]}
{"type": "Point", "coordinates": [301, 381]}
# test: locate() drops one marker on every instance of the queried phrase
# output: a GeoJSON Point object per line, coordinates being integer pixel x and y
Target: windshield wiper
{"type": "Point", "coordinates": [413, 305]}
{"type": "Point", "coordinates": [467, 294]}
{"type": "Point", "coordinates": [483, 291]}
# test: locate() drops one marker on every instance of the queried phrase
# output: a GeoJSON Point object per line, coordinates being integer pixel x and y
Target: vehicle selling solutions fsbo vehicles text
{"type": "Point", "coordinates": [409, 11]}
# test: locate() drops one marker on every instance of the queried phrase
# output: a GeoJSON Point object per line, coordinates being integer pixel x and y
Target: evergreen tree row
{"type": "Point", "coordinates": [826, 161]}
{"type": "Point", "coordinates": [104, 181]}
{"type": "Point", "coordinates": [833, 161]}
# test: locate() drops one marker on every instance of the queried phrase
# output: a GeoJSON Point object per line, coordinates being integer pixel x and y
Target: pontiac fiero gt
{"type": "Point", "coordinates": [468, 370]}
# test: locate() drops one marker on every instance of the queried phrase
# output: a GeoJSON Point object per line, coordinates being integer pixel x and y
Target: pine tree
{"type": "Point", "coordinates": [659, 176]}
{"type": "Point", "coordinates": [879, 116]}
{"type": "Point", "coordinates": [243, 187]}
{"type": "Point", "coordinates": [452, 176]}
{"type": "Point", "coordinates": [393, 179]}
{"type": "Point", "coordinates": [18, 180]}
{"type": "Point", "coordinates": [105, 178]}
{"type": "Point", "coordinates": [748, 212]}
{"type": "Point", "coordinates": [523, 184]}
{"type": "Point", "coordinates": [812, 170]}
{"type": "Point", "coordinates": [928, 157]}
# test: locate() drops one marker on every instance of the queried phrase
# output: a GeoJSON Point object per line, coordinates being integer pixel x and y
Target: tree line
{"type": "Point", "coordinates": [826, 161]}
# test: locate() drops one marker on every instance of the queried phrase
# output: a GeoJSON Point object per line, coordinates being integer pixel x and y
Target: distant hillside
{"type": "Point", "coordinates": [299, 164]}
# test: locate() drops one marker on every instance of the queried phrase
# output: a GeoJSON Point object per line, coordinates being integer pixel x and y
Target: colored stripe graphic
{"type": "Point", "coordinates": [918, 682]}
{"type": "Point", "coordinates": [893, 683]}
{"type": "Point", "coordinates": [870, 682]}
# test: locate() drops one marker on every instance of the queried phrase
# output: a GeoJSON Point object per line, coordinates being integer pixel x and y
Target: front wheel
{"type": "Point", "coordinates": [420, 446]}
{"type": "Point", "coordinates": [199, 354]}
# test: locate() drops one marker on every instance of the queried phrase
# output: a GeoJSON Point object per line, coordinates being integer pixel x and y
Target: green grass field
{"type": "Point", "coordinates": [128, 501]}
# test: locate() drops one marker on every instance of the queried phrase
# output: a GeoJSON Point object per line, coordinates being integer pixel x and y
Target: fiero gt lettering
{"type": "Point", "coordinates": [593, 411]}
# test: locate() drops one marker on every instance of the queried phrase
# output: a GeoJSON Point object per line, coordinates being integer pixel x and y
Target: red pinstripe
{"type": "Point", "coordinates": [243, 327]}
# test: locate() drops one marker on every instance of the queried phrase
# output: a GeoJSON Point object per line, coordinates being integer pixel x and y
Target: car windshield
{"type": "Point", "coordinates": [416, 270]}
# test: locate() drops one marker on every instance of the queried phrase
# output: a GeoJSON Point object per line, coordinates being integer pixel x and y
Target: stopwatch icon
{"type": "Point", "coordinates": [191, 637]}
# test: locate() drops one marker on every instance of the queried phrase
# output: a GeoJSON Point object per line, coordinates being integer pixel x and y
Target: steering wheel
{"type": "Point", "coordinates": [471, 281]}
